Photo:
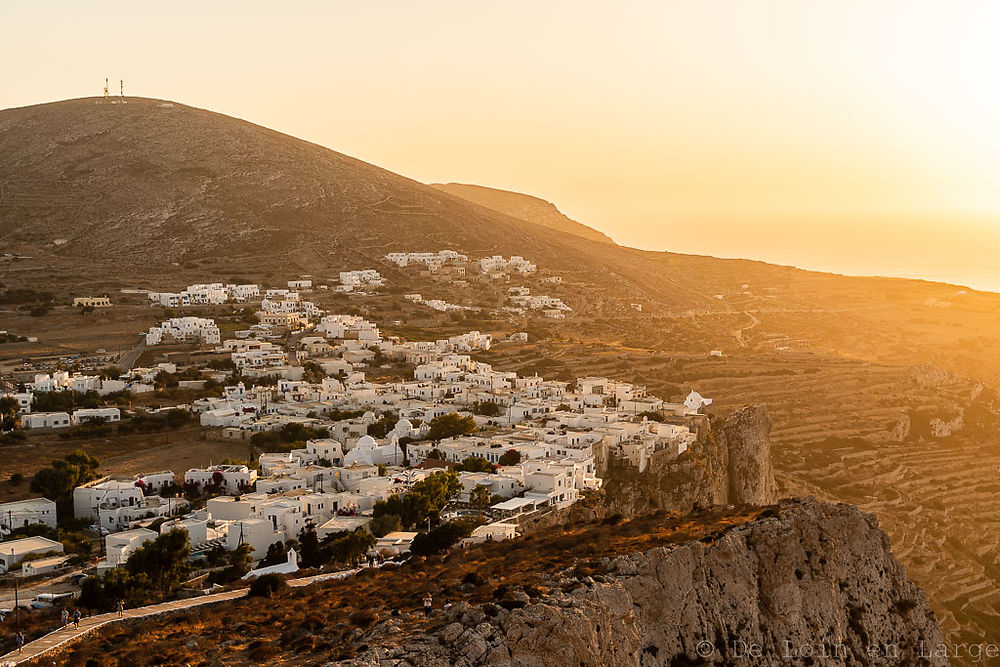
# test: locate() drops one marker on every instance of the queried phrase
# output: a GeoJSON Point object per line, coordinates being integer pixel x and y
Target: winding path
{"type": "Point", "coordinates": [65, 635]}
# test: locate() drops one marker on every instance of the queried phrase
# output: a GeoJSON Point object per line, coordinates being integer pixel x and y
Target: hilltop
{"type": "Point", "coordinates": [524, 207]}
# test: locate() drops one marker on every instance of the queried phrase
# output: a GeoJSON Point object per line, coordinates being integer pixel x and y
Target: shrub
{"type": "Point", "coordinates": [442, 538]}
{"type": "Point", "coordinates": [510, 458]}
{"type": "Point", "coordinates": [363, 618]}
{"type": "Point", "coordinates": [266, 585]}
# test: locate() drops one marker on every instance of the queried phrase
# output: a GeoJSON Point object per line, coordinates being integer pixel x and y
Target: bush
{"type": "Point", "coordinates": [363, 618]}
{"type": "Point", "coordinates": [13, 438]}
{"type": "Point", "coordinates": [510, 458]}
{"type": "Point", "coordinates": [442, 538]}
{"type": "Point", "coordinates": [385, 524]}
{"type": "Point", "coordinates": [16, 478]}
{"type": "Point", "coordinates": [449, 425]}
{"type": "Point", "coordinates": [477, 464]}
{"type": "Point", "coordinates": [266, 585]}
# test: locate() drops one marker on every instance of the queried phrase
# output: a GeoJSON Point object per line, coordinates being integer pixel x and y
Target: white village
{"type": "Point", "coordinates": [334, 453]}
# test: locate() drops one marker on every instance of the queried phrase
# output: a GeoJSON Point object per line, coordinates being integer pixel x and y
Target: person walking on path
{"type": "Point", "coordinates": [428, 604]}
{"type": "Point", "coordinates": [19, 640]}
{"type": "Point", "coordinates": [64, 617]}
{"type": "Point", "coordinates": [76, 619]}
{"type": "Point", "coordinates": [121, 608]}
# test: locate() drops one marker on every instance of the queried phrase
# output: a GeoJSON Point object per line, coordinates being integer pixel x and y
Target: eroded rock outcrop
{"type": "Point", "coordinates": [804, 578]}
{"type": "Point", "coordinates": [730, 464]}
{"type": "Point", "coordinates": [750, 474]}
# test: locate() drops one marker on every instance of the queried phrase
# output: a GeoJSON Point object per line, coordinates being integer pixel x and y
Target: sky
{"type": "Point", "coordinates": [857, 137]}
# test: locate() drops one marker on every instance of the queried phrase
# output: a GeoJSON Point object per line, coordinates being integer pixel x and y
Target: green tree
{"type": "Point", "coordinates": [276, 554]}
{"type": "Point", "coordinates": [348, 547]}
{"type": "Point", "coordinates": [58, 480]}
{"type": "Point", "coordinates": [487, 409]}
{"type": "Point", "coordinates": [163, 560]}
{"type": "Point", "coordinates": [117, 584]}
{"type": "Point", "coordinates": [510, 458]}
{"type": "Point", "coordinates": [479, 496]}
{"type": "Point", "coordinates": [309, 551]}
{"type": "Point", "coordinates": [384, 524]}
{"type": "Point", "coordinates": [425, 499]}
{"type": "Point", "coordinates": [266, 585]}
{"type": "Point", "coordinates": [8, 413]}
{"type": "Point", "coordinates": [450, 425]}
{"type": "Point", "coordinates": [477, 464]}
{"type": "Point", "coordinates": [110, 372]}
{"type": "Point", "coordinates": [443, 537]}
{"type": "Point", "coordinates": [238, 562]}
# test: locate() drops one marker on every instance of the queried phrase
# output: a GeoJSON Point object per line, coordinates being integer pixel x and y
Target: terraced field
{"type": "Point", "coordinates": [837, 435]}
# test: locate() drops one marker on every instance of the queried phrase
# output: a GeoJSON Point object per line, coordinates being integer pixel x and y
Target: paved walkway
{"type": "Point", "coordinates": [68, 634]}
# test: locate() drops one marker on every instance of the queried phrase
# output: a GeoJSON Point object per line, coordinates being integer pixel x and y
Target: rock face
{"type": "Point", "coordinates": [750, 475]}
{"type": "Point", "coordinates": [730, 464]}
{"type": "Point", "coordinates": [804, 579]}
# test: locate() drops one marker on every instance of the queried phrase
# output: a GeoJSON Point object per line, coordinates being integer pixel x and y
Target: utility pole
{"type": "Point", "coordinates": [17, 600]}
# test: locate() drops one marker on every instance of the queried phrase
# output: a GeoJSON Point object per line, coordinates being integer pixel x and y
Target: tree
{"type": "Point", "coordinates": [443, 537]}
{"type": "Point", "coordinates": [276, 554]}
{"type": "Point", "coordinates": [58, 480]}
{"type": "Point", "coordinates": [238, 562]}
{"type": "Point", "coordinates": [309, 551]}
{"type": "Point", "coordinates": [163, 560]}
{"type": "Point", "coordinates": [117, 584]}
{"type": "Point", "coordinates": [348, 547]}
{"type": "Point", "coordinates": [477, 464]}
{"type": "Point", "coordinates": [510, 458]}
{"type": "Point", "coordinates": [8, 413]}
{"type": "Point", "coordinates": [266, 585]}
{"type": "Point", "coordinates": [487, 409]}
{"type": "Point", "coordinates": [425, 499]}
{"type": "Point", "coordinates": [450, 425]}
{"type": "Point", "coordinates": [384, 524]}
{"type": "Point", "coordinates": [479, 496]}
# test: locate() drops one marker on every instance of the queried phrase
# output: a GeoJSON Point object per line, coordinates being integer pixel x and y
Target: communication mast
{"type": "Point", "coordinates": [121, 83]}
{"type": "Point", "coordinates": [105, 90]}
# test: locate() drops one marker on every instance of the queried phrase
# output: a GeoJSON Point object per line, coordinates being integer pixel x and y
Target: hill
{"type": "Point", "coordinates": [525, 207]}
{"type": "Point", "coordinates": [152, 181]}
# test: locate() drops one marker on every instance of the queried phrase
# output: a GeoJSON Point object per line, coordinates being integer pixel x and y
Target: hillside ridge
{"type": "Point", "coordinates": [523, 206]}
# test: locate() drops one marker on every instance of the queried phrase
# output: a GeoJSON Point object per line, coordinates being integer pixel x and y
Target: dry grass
{"type": "Point", "coordinates": [327, 621]}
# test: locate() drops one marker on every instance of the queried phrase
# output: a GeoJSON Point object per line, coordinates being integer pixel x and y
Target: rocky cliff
{"type": "Point", "coordinates": [804, 583]}
{"type": "Point", "coordinates": [730, 464]}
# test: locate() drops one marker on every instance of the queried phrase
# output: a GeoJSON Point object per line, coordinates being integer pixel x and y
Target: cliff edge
{"type": "Point", "coordinates": [730, 464]}
{"type": "Point", "coordinates": [804, 583]}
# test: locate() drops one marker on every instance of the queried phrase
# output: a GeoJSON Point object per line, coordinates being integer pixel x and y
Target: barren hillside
{"type": "Point", "coordinates": [522, 206]}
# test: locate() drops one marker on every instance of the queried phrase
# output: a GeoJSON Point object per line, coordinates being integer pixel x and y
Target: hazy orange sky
{"type": "Point", "coordinates": [854, 136]}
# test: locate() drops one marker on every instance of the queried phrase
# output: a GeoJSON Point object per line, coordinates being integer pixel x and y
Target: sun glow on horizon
{"type": "Point", "coordinates": [848, 133]}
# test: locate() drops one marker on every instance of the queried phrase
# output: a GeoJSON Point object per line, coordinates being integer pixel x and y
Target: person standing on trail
{"type": "Point", "coordinates": [76, 618]}
{"type": "Point", "coordinates": [19, 640]}
{"type": "Point", "coordinates": [428, 604]}
{"type": "Point", "coordinates": [121, 608]}
{"type": "Point", "coordinates": [64, 617]}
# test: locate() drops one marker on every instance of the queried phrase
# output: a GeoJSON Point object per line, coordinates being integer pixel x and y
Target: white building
{"type": "Point", "coordinates": [14, 551]}
{"type": "Point", "coordinates": [120, 546]}
{"type": "Point", "coordinates": [20, 513]}
{"type": "Point", "coordinates": [185, 330]}
{"type": "Point", "coordinates": [104, 414]}
{"type": "Point", "coordinates": [233, 479]}
{"type": "Point", "coordinates": [258, 533]}
{"type": "Point", "coordinates": [45, 420]}
{"type": "Point", "coordinates": [351, 280]}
